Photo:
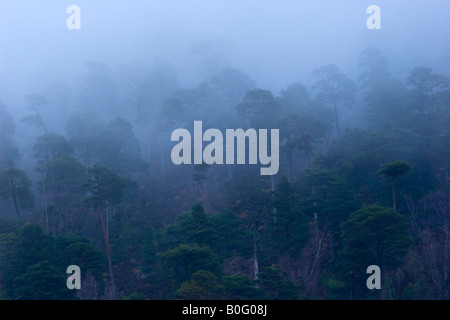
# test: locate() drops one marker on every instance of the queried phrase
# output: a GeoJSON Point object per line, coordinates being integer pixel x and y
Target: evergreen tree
{"type": "Point", "coordinates": [105, 189]}
{"type": "Point", "coordinates": [8, 152]}
{"type": "Point", "coordinates": [372, 236]}
{"type": "Point", "coordinates": [334, 87]}
{"type": "Point", "coordinates": [394, 171]}
{"type": "Point", "coordinates": [183, 261]}
{"type": "Point", "coordinates": [43, 281]}
{"type": "Point", "coordinates": [15, 185]}
{"type": "Point", "coordinates": [203, 285]}
{"type": "Point", "coordinates": [276, 285]}
{"type": "Point", "coordinates": [241, 287]}
{"type": "Point", "coordinates": [290, 225]}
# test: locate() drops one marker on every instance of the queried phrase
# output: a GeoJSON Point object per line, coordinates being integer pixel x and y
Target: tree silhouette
{"type": "Point", "coordinates": [395, 170]}
{"type": "Point", "coordinates": [8, 152]}
{"type": "Point", "coordinates": [105, 189]}
{"type": "Point", "coordinates": [35, 101]}
{"type": "Point", "coordinates": [15, 185]}
{"type": "Point", "coordinates": [372, 235]}
{"type": "Point", "coordinates": [334, 87]}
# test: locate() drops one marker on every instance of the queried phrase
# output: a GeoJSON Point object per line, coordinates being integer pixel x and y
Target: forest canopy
{"type": "Point", "coordinates": [277, 163]}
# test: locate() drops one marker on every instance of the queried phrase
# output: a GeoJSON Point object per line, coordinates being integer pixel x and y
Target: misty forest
{"type": "Point", "coordinates": [86, 177]}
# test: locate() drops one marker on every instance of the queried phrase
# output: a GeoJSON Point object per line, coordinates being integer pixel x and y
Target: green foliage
{"type": "Point", "coordinates": [203, 285]}
{"type": "Point", "coordinates": [148, 250]}
{"type": "Point", "coordinates": [50, 146]}
{"type": "Point", "coordinates": [9, 260]}
{"type": "Point", "coordinates": [241, 287]}
{"type": "Point", "coordinates": [335, 288]}
{"type": "Point", "coordinates": [233, 239]}
{"type": "Point", "coordinates": [325, 196]}
{"type": "Point", "coordinates": [428, 89]}
{"type": "Point", "coordinates": [260, 107]}
{"type": "Point", "coordinates": [9, 225]}
{"type": "Point", "coordinates": [396, 169]}
{"type": "Point", "coordinates": [290, 226]}
{"type": "Point", "coordinates": [33, 264]}
{"type": "Point", "coordinates": [7, 125]}
{"type": "Point", "coordinates": [104, 185]}
{"type": "Point", "coordinates": [183, 261]}
{"type": "Point", "coordinates": [357, 157]}
{"type": "Point", "coordinates": [276, 285]}
{"type": "Point", "coordinates": [83, 133]}
{"type": "Point", "coordinates": [111, 145]}
{"type": "Point", "coordinates": [295, 99]}
{"type": "Point", "coordinates": [15, 185]}
{"type": "Point", "coordinates": [302, 132]}
{"type": "Point", "coordinates": [119, 149]}
{"type": "Point", "coordinates": [64, 174]}
{"type": "Point", "coordinates": [199, 172]}
{"type": "Point", "coordinates": [43, 281]}
{"type": "Point", "coordinates": [194, 227]}
{"type": "Point", "coordinates": [8, 152]}
{"type": "Point", "coordinates": [372, 236]}
{"type": "Point", "coordinates": [128, 244]}
{"type": "Point", "coordinates": [76, 250]}
{"type": "Point", "coordinates": [386, 103]}
{"type": "Point", "coordinates": [221, 232]}
{"type": "Point", "coordinates": [134, 254]}
{"type": "Point", "coordinates": [333, 85]}
{"type": "Point", "coordinates": [35, 246]}
{"type": "Point", "coordinates": [312, 236]}
{"type": "Point", "coordinates": [375, 235]}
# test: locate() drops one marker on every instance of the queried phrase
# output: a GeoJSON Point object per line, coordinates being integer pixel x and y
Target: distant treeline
{"type": "Point", "coordinates": [363, 180]}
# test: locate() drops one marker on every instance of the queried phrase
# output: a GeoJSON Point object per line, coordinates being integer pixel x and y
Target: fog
{"type": "Point", "coordinates": [122, 133]}
{"type": "Point", "coordinates": [275, 42]}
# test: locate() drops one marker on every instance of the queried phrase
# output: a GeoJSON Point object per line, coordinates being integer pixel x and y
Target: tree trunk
{"type": "Point", "coordinates": [44, 200]}
{"type": "Point", "coordinates": [204, 196]}
{"type": "Point", "coordinates": [332, 248]}
{"type": "Point", "coordinates": [16, 206]}
{"type": "Point", "coordinates": [108, 217]}
{"type": "Point", "coordinates": [290, 161]}
{"type": "Point", "coordinates": [255, 258]}
{"type": "Point", "coordinates": [393, 194]}
{"type": "Point", "coordinates": [108, 252]}
{"type": "Point", "coordinates": [318, 240]}
{"type": "Point", "coordinates": [42, 120]}
{"type": "Point", "coordinates": [446, 231]}
{"type": "Point", "coordinates": [274, 209]}
{"type": "Point", "coordinates": [336, 119]}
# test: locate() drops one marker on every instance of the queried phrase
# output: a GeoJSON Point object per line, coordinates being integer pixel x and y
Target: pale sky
{"type": "Point", "coordinates": [275, 42]}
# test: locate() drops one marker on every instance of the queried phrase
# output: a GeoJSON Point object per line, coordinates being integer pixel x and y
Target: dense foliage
{"type": "Point", "coordinates": [351, 192]}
